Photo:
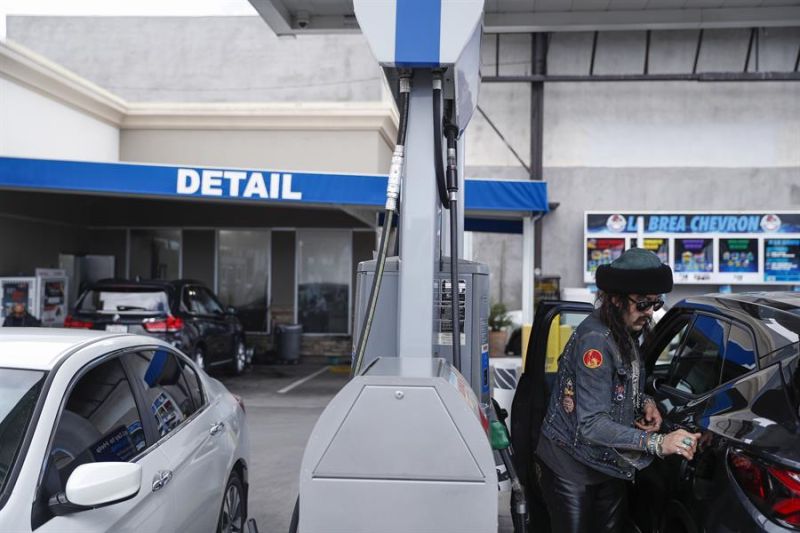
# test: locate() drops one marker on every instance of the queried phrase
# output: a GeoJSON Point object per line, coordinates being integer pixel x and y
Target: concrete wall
{"type": "Point", "coordinates": [35, 125]}
{"type": "Point", "coordinates": [203, 59]}
{"type": "Point", "coordinates": [642, 145]}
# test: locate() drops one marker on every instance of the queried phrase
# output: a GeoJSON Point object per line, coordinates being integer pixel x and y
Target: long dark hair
{"type": "Point", "coordinates": [612, 315]}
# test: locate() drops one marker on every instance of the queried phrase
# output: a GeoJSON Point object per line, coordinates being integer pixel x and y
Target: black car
{"type": "Point", "coordinates": [185, 313]}
{"type": "Point", "coordinates": [725, 366]}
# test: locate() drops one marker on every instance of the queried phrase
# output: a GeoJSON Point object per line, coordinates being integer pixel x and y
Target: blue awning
{"type": "Point", "coordinates": [256, 185]}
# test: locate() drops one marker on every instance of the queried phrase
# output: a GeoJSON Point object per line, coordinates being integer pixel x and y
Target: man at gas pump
{"type": "Point", "coordinates": [600, 426]}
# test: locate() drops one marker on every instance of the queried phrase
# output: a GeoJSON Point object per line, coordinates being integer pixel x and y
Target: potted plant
{"type": "Point", "coordinates": [498, 321]}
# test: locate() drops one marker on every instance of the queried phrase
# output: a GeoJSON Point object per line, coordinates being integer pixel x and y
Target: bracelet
{"type": "Point", "coordinates": [660, 446]}
{"type": "Point", "coordinates": [652, 443]}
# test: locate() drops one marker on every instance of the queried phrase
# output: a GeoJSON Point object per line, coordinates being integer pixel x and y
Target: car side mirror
{"type": "Point", "coordinates": [230, 310]}
{"type": "Point", "coordinates": [97, 485]}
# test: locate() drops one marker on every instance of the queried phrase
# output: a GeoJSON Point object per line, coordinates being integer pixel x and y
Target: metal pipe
{"type": "Point", "coordinates": [704, 77]}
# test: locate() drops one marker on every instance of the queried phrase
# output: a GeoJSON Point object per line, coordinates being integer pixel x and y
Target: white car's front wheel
{"type": "Point", "coordinates": [232, 515]}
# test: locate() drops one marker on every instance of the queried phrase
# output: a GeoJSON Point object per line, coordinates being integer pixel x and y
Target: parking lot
{"type": "Point", "coordinates": [281, 412]}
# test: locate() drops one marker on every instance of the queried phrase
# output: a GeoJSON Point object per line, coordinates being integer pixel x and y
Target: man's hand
{"type": "Point", "coordinates": [651, 421]}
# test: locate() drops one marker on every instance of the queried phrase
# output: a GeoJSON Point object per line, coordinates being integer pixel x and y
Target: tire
{"type": "Point", "coordinates": [233, 512]}
{"type": "Point", "coordinates": [239, 361]}
{"type": "Point", "coordinates": [200, 357]}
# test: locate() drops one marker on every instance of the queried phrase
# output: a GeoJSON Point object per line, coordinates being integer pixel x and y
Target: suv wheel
{"type": "Point", "coordinates": [232, 515]}
{"type": "Point", "coordinates": [239, 361]}
{"type": "Point", "coordinates": [200, 358]}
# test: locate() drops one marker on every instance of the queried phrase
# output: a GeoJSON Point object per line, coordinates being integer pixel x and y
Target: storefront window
{"type": "Point", "coordinates": [155, 254]}
{"type": "Point", "coordinates": [323, 280]}
{"type": "Point", "coordinates": [243, 276]}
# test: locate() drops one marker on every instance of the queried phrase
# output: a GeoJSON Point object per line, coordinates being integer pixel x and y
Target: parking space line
{"type": "Point", "coordinates": [302, 380]}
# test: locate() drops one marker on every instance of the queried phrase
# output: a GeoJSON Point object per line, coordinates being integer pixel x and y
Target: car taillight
{"type": "Point", "coordinates": [71, 322]}
{"type": "Point", "coordinates": [774, 489]}
{"type": "Point", "coordinates": [160, 325]}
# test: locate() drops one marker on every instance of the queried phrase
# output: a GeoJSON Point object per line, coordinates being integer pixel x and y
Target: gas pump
{"type": "Point", "coordinates": [405, 445]}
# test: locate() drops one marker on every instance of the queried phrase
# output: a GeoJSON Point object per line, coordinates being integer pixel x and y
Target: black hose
{"type": "Point", "coordinates": [438, 162]}
{"type": "Point", "coordinates": [383, 250]}
{"type": "Point", "coordinates": [452, 188]}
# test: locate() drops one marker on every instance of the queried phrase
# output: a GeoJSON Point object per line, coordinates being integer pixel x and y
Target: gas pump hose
{"type": "Point", "coordinates": [451, 131]}
{"type": "Point", "coordinates": [392, 195]}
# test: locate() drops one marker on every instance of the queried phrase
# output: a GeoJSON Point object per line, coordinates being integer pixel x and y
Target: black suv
{"type": "Point", "coordinates": [185, 313]}
{"type": "Point", "coordinates": [725, 366]}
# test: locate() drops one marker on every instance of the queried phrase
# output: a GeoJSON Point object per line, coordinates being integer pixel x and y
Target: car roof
{"type": "Point", "coordinates": [765, 312]}
{"type": "Point", "coordinates": [144, 283]}
{"type": "Point", "coordinates": [43, 348]}
{"type": "Point", "coordinates": [785, 301]}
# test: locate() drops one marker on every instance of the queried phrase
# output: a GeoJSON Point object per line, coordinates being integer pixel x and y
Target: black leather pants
{"type": "Point", "coordinates": [578, 508]}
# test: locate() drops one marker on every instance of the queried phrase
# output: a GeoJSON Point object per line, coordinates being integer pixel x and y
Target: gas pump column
{"type": "Point", "coordinates": [403, 446]}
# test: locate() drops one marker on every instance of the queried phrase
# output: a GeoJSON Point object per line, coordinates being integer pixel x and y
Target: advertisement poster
{"type": "Point", "coordinates": [694, 255]}
{"type": "Point", "coordinates": [602, 252]}
{"type": "Point", "coordinates": [660, 247]}
{"type": "Point", "coordinates": [782, 260]}
{"type": "Point", "coordinates": [14, 292]}
{"type": "Point", "coordinates": [738, 255]}
{"type": "Point", "coordinates": [54, 304]}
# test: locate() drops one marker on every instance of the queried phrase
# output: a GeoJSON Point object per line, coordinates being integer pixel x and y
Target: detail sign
{"type": "Point", "coordinates": [709, 248]}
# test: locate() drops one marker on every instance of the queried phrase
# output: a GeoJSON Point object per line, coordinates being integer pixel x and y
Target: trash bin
{"type": "Point", "coordinates": [289, 336]}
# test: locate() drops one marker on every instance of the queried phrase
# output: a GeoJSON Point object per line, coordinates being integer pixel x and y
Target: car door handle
{"type": "Point", "coordinates": [161, 479]}
{"type": "Point", "coordinates": [216, 428]}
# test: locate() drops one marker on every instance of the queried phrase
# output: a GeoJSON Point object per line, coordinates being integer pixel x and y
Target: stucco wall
{"type": "Point", "coordinates": [35, 125]}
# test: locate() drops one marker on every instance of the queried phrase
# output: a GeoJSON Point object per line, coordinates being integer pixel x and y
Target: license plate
{"type": "Point", "coordinates": [117, 328]}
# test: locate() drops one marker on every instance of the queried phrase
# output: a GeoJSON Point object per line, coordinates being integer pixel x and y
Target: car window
{"type": "Point", "coordinates": [561, 329]}
{"type": "Point", "coordinates": [124, 301]}
{"type": "Point", "coordinates": [99, 423]}
{"type": "Point", "coordinates": [210, 301]}
{"type": "Point", "coordinates": [172, 390]}
{"type": "Point", "coordinates": [677, 334]}
{"type": "Point", "coordinates": [200, 300]}
{"type": "Point", "coordinates": [740, 354]}
{"type": "Point", "coordinates": [19, 390]}
{"type": "Point", "coordinates": [698, 367]}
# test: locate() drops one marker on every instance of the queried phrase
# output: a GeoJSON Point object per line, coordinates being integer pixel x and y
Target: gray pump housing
{"type": "Point", "coordinates": [401, 449]}
{"type": "Point", "coordinates": [474, 310]}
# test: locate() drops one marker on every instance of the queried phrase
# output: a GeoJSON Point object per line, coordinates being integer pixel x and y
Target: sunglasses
{"type": "Point", "coordinates": [644, 305]}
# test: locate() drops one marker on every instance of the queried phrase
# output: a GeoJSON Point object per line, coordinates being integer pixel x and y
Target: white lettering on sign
{"type": "Point", "coordinates": [211, 183]}
{"type": "Point", "coordinates": [287, 193]}
{"type": "Point", "coordinates": [188, 181]}
{"type": "Point", "coordinates": [236, 184]}
{"type": "Point", "coordinates": [256, 186]}
{"type": "Point", "coordinates": [235, 178]}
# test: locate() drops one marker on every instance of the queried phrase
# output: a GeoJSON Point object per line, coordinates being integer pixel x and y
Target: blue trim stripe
{"type": "Point", "coordinates": [233, 184]}
{"type": "Point", "coordinates": [417, 33]}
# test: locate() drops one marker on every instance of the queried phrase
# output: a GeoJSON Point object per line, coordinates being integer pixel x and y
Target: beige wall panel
{"type": "Point", "coordinates": [318, 151]}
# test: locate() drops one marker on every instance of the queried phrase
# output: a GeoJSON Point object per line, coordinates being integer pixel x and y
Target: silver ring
{"type": "Point", "coordinates": [688, 441]}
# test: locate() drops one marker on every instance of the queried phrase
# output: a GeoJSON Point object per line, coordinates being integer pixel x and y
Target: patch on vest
{"type": "Point", "coordinates": [568, 396]}
{"type": "Point", "coordinates": [592, 358]}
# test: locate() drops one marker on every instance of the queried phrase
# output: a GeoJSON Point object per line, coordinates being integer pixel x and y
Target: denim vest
{"type": "Point", "coordinates": [593, 405]}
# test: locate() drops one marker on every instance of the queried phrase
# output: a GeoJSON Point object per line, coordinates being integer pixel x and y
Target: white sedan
{"type": "Point", "coordinates": [104, 432]}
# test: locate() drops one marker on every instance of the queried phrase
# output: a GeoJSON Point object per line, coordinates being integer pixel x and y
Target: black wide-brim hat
{"type": "Point", "coordinates": [636, 271]}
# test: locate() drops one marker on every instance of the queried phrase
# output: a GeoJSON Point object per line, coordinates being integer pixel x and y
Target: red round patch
{"type": "Point", "coordinates": [592, 358]}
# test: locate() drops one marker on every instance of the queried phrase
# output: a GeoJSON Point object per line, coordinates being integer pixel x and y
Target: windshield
{"type": "Point", "coordinates": [19, 390]}
{"type": "Point", "coordinates": [121, 301]}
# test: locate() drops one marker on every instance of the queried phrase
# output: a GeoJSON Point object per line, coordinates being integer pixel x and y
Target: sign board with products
{"type": "Point", "coordinates": [709, 248]}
